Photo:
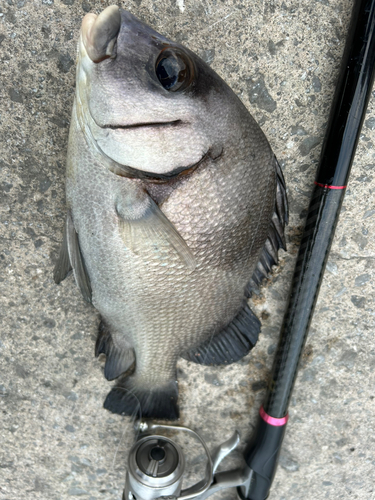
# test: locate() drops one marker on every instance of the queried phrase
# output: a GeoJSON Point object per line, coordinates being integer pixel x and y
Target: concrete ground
{"type": "Point", "coordinates": [57, 442]}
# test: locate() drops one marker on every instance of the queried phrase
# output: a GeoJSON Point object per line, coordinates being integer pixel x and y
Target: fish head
{"type": "Point", "coordinates": [146, 102]}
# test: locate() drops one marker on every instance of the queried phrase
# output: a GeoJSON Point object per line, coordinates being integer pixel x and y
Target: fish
{"type": "Point", "coordinates": [176, 210]}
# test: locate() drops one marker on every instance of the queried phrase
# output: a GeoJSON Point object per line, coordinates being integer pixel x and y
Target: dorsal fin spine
{"type": "Point", "coordinates": [276, 236]}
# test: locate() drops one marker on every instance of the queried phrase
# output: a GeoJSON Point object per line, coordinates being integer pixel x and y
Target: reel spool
{"type": "Point", "coordinates": [156, 467]}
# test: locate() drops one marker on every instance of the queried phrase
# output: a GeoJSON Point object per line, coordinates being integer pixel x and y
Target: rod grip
{"type": "Point", "coordinates": [261, 457]}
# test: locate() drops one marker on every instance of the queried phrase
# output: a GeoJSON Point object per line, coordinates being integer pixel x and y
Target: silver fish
{"type": "Point", "coordinates": [176, 210]}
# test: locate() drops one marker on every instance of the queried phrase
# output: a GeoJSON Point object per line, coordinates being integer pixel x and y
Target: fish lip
{"type": "Point", "coordinates": [130, 172]}
{"type": "Point", "coordinates": [121, 126]}
{"type": "Point", "coordinates": [133, 173]}
{"type": "Point", "coordinates": [174, 123]}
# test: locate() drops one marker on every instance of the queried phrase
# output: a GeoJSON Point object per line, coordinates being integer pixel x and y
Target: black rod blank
{"type": "Point", "coordinates": [348, 110]}
{"type": "Point", "coordinates": [347, 114]}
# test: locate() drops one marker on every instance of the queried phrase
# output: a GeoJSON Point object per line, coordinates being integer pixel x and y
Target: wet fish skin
{"type": "Point", "coordinates": [164, 257]}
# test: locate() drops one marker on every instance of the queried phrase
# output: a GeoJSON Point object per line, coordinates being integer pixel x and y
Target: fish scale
{"type": "Point", "coordinates": [170, 200]}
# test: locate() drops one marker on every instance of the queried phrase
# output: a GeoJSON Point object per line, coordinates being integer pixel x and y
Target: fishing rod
{"type": "Point", "coordinates": [156, 463]}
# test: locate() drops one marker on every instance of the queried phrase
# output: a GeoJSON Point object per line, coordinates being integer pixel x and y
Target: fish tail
{"type": "Point", "coordinates": [129, 397]}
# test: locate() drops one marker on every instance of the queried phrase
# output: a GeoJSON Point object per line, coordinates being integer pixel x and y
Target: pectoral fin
{"type": "Point", "coordinates": [142, 222]}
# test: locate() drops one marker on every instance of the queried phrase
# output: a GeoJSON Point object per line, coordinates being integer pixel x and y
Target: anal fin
{"type": "Point", "coordinates": [231, 344]}
{"type": "Point", "coordinates": [118, 361]}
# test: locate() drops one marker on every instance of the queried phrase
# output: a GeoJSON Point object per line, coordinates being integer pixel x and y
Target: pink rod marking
{"type": "Point", "coordinates": [328, 186]}
{"type": "Point", "coordinates": [276, 422]}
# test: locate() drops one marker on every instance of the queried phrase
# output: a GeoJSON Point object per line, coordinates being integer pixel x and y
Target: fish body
{"type": "Point", "coordinates": [175, 204]}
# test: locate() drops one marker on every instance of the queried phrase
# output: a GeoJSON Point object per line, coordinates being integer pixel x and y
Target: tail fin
{"type": "Point", "coordinates": [126, 398]}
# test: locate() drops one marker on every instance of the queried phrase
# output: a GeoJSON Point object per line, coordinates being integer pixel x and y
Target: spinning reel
{"type": "Point", "coordinates": [157, 465]}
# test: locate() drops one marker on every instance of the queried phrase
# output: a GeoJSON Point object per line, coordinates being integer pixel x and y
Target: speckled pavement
{"type": "Point", "coordinates": [56, 440]}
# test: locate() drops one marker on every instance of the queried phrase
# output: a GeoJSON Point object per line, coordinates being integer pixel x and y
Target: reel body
{"type": "Point", "coordinates": [157, 465]}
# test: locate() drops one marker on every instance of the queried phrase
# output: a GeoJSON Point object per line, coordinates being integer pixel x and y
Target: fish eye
{"type": "Point", "coordinates": [174, 69]}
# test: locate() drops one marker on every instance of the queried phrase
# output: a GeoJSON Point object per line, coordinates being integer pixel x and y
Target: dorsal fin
{"type": "Point", "coordinates": [229, 345]}
{"type": "Point", "coordinates": [240, 336]}
{"type": "Point", "coordinates": [276, 236]}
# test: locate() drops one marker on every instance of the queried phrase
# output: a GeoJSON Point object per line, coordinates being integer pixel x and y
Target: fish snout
{"type": "Point", "coordinates": [99, 33]}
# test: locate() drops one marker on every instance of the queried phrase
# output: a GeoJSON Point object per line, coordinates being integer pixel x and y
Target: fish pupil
{"type": "Point", "coordinates": [168, 71]}
{"type": "Point", "coordinates": [173, 70]}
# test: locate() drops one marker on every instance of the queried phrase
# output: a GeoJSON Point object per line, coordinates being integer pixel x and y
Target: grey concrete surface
{"type": "Point", "coordinates": [57, 442]}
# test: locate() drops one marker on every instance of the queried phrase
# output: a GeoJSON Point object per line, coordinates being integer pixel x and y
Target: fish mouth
{"type": "Point", "coordinates": [174, 123]}
{"type": "Point", "coordinates": [133, 173]}
{"type": "Point", "coordinates": [126, 171]}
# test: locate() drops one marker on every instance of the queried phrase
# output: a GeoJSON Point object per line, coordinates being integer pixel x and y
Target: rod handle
{"type": "Point", "coordinates": [262, 455]}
